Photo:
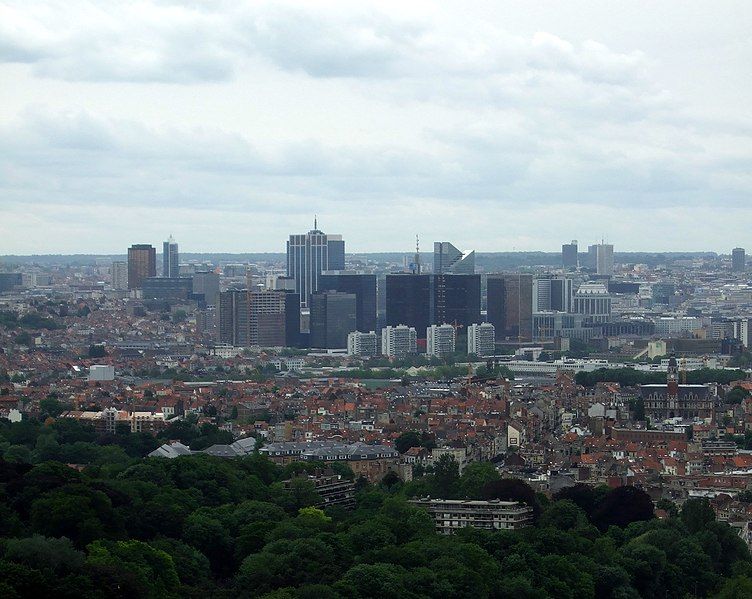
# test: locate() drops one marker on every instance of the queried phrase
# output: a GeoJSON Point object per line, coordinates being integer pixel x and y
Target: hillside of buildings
{"type": "Point", "coordinates": [117, 525]}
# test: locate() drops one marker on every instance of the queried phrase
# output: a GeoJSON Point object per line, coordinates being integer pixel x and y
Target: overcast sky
{"type": "Point", "coordinates": [495, 125]}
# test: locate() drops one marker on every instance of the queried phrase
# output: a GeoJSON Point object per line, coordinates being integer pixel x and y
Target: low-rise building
{"type": "Point", "coordinates": [452, 514]}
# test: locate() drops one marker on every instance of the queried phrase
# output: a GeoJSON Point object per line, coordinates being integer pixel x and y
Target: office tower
{"type": "Point", "coordinates": [310, 254]}
{"type": "Point", "coordinates": [600, 258]}
{"type": "Point", "coordinates": [422, 300]}
{"type": "Point", "coordinates": [510, 305]}
{"type": "Point", "coordinates": [332, 319]}
{"type": "Point", "coordinates": [142, 264]}
{"type": "Point", "coordinates": [10, 280]}
{"type": "Point", "coordinates": [362, 344]}
{"type": "Point", "coordinates": [663, 293]}
{"type": "Point", "coordinates": [593, 301]}
{"type": "Point", "coordinates": [552, 293]}
{"type": "Point", "coordinates": [120, 275]}
{"type": "Point", "coordinates": [569, 255]}
{"type": "Point", "coordinates": [738, 260]}
{"type": "Point", "coordinates": [170, 262]}
{"type": "Point", "coordinates": [206, 322]}
{"type": "Point", "coordinates": [206, 286]}
{"type": "Point", "coordinates": [166, 289]}
{"type": "Point", "coordinates": [399, 341]}
{"type": "Point", "coordinates": [481, 339]}
{"type": "Point", "coordinates": [440, 340]}
{"type": "Point", "coordinates": [447, 259]}
{"type": "Point", "coordinates": [259, 318]}
{"type": "Point", "coordinates": [364, 288]}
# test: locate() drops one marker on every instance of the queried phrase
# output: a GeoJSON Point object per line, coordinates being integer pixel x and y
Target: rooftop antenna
{"type": "Point", "coordinates": [417, 255]}
{"type": "Point", "coordinates": [315, 222]}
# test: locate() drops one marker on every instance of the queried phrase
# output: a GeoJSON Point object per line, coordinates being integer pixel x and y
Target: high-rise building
{"type": "Point", "coordinates": [510, 305]}
{"type": "Point", "coordinates": [399, 341]}
{"type": "Point", "coordinates": [332, 319]}
{"type": "Point", "coordinates": [120, 275]}
{"type": "Point", "coordinates": [167, 289]}
{"type": "Point", "coordinates": [364, 288]}
{"type": "Point", "coordinates": [362, 344]}
{"type": "Point", "coordinates": [142, 264]}
{"type": "Point", "coordinates": [420, 300]}
{"type": "Point", "coordinates": [569, 255]}
{"type": "Point", "coordinates": [738, 260]}
{"type": "Point", "coordinates": [593, 301]}
{"type": "Point", "coordinates": [440, 340]}
{"type": "Point", "coordinates": [170, 260]}
{"type": "Point", "coordinates": [601, 258]}
{"type": "Point", "coordinates": [481, 339]}
{"type": "Point", "coordinates": [552, 293]}
{"type": "Point", "coordinates": [259, 318]}
{"type": "Point", "coordinates": [447, 259]}
{"type": "Point", "coordinates": [206, 285]}
{"type": "Point", "coordinates": [310, 254]}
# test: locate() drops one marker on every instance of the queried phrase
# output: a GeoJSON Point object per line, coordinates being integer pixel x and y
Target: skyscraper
{"type": "Point", "coordinates": [569, 255]}
{"type": "Point", "coordinates": [422, 300]}
{"type": "Point", "coordinates": [447, 259]}
{"type": "Point", "coordinates": [332, 319]}
{"type": "Point", "coordinates": [738, 260]}
{"type": "Point", "coordinates": [259, 318]}
{"type": "Point", "coordinates": [120, 275]}
{"type": "Point", "coordinates": [600, 258]}
{"type": "Point", "coordinates": [310, 254]}
{"type": "Point", "coordinates": [142, 264]}
{"type": "Point", "coordinates": [364, 288]}
{"type": "Point", "coordinates": [552, 293]}
{"type": "Point", "coordinates": [170, 262]}
{"type": "Point", "coordinates": [510, 305]}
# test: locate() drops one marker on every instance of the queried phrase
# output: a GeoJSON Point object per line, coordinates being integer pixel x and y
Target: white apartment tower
{"type": "Point", "coordinates": [362, 344]}
{"type": "Point", "coordinates": [399, 341]}
{"type": "Point", "coordinates": [440, 340]}
{"type": "Point", "coordinates": [480, 339]}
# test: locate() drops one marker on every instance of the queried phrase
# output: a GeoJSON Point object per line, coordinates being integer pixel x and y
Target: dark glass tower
{"type": "Point", "coordinates": [364, 288]}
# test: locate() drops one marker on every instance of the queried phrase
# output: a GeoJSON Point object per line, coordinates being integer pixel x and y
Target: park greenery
{"type": "Point", "coordinates": [89, 516]}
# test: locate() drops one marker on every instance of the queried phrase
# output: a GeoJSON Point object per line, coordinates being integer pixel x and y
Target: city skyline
{"type": "Point", "coordinates": [498, 128]}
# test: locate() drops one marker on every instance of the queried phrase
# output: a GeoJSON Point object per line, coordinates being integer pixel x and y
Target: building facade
{"type": "Point", "coordinates": [170, 259]}
{"type": "Point", "coordinates": [440, 340]}
{"type": "Point", "coordinates": [142, 264]}
{"type": "Point", "coordinates": [364, 288]}
{"type": "Point", "coordinates": [362, 344]}
{"type": "Point", "coordinates": [447, 259]}
{"type": "Point", "coordinates": [510, 305]}
{"type": "Point", "coordinates": [259, 318]}
{"type": "Point", "coordinates": [481, 339]}
{"type": "Point", "coordinates": [310, 254]}
{"type": "Point", "coordinates": [450, 515]}
{"type": "Point", "coordinates": [398, 341]}
{"type": "Point", "coordinates": [569, 258]}
{"type": "Point", "coordinates": [332, 319]}
{"type": "Point", "coordinates": [120, 275]}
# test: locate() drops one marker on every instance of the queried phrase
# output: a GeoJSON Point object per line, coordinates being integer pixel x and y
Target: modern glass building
{"type": "Point", "coordinates": [170, 259]}
{"type": "Point", "coordinates": [310, 254]}
{"type": "Point", "coordinates": [142, 264]}
{"type": "Point", "coordinates": [364, 288]}
{"type": "Point", "coordinates": [333, 317]}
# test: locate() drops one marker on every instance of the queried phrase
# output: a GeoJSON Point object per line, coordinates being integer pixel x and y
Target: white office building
{"type": "Point", "coordinates": [399, 341]}
{"type": "Point", "coordinates": [120, 275]}
{"type": "Point", "coordinates": [593, 301]}
{"type": "Point", "coordinates": [480, 339]}
{"type": "Point", "coordinates": [440, 340]}
{"type": "Point", "coordinates": [362, 344]}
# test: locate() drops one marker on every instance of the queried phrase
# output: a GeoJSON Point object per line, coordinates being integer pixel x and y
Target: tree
{"type": "Point", "coordinates": [475, 477]}
{"type": "Point", "coordinates": [736, 395]}
{"type": "Point", "coordinates": [563, 515]}
{"type": "Point", "coordinates": [697, 513]}
{"type": "Point", "coordinates": [446, 476]}
{"type": "Point", "coordinates": [622, 506]}
{"type": "Point", "coordinates": [97, 351]}
{"type": "Point", "coordinates": [407, 440]}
